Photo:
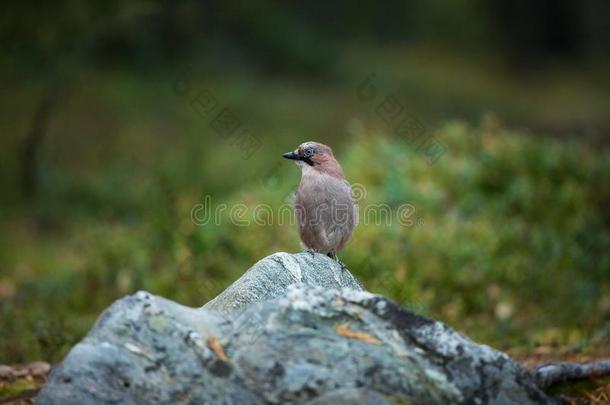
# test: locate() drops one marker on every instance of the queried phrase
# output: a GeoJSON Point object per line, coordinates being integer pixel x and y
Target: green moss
{"type": "Point", "coordinates": [9, 390]}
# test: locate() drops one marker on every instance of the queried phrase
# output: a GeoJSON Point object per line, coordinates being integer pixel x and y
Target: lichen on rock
{"type": "Point", "coordinates": [293, 329]}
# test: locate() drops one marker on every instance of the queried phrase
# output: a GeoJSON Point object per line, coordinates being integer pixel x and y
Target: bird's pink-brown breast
{"type": "Point", "coordinates": [326, 212]}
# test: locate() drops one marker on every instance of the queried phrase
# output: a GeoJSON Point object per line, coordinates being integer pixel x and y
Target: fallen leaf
{"type": "Point", "coordinates": [344, 330]}
{"type": "Point", "coordinates": [215, 345]}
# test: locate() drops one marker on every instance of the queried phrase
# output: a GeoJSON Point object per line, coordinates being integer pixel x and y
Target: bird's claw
{"type": "Point", "coordinates": [336, 258]}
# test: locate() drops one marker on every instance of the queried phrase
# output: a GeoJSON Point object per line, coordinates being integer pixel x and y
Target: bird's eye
{"type": "Point", "coordinates": [308, 152]}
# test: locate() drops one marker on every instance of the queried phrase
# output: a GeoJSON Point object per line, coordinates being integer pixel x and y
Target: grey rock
{"type": "Point", "coordinates": [271, 276]}
{"type": "Point", "coordinates": [309, 342]}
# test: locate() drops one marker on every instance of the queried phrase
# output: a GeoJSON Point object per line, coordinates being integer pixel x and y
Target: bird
{"type": "Point", "coordinates": [324, 205]}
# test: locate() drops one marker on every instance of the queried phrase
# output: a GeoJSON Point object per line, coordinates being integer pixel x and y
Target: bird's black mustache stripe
{"type": "Point", "coordinates": [307, 160]}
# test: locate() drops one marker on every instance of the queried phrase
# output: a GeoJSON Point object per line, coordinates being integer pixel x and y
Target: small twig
{"type": "Point", "coordinates": [550, 374]}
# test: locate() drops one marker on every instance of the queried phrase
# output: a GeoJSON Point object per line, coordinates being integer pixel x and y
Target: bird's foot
{"type": "Point", "coordinates": [335, 258]}
{"type": "Point", "coordinates": [311, 252]}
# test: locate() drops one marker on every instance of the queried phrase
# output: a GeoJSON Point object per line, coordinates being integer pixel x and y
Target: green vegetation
{"type": "Point", "coordinates": [510, 240]}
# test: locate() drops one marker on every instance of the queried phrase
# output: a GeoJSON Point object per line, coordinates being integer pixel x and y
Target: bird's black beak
{"type": "Point", "coordinates": [291, 155]}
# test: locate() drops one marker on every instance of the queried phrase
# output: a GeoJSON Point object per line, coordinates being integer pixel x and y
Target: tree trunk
{"type": "Point", "coordinates": [30, 148]}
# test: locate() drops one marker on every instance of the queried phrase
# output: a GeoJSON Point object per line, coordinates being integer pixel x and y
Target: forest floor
{"type": "Point", "coordinates": [20, 385]}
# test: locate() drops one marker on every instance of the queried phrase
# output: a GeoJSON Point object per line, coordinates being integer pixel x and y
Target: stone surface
{"type": "Point", "coordinates": [300, 343]}
{"type": "Point", "coordinates": [271, 276]}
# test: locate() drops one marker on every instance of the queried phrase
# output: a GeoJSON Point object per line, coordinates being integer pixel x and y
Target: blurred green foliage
{"type": "Point", "coordinates": [510, 240]}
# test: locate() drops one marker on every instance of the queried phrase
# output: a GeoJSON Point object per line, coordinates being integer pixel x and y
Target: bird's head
{"type": "Point", "coordinates": [310, 153]}
{"type": "Point", "coordinates": [317, 156]}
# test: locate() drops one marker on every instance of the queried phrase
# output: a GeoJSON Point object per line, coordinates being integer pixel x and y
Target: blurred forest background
{"type": "Point", "coordinates": [106, 146]}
